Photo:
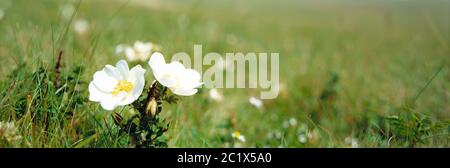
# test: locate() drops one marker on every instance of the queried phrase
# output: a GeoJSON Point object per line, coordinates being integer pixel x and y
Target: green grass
{"type": "Point", "coordinates": [381, 55]}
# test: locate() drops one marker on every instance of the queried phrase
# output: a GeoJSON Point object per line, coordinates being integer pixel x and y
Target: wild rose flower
{"type": "Point", "coordinates": [117, 86]}
{"type": "Point", "coordinates": [215, 95]}
{"type": "Point", "coordinates": [175, 76]}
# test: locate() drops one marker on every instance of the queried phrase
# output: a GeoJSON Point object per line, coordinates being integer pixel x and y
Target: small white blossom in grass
{"type": "Point", "coordinates": [302, 138]}
{"type": "Point", "coordinates": [67, 11]}
{"type": "Point", "coordinates": [81, 26]}
{"type": "Point", "coordinates": [117, 86]}
{"type": "Point", "coordinates": [175, 76]}
{"type": "Point", "coordinates": [256, 102]}
{"type": "Point", "coordinates": [215, 95]}
{"type": "Point", "coordinates": [238, 136]}
{"type": "Point", "coordinates": [8, 131]}
{"type": "Point", "coordinates": [353, 142]}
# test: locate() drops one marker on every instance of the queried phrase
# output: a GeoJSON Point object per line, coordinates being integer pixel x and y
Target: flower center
{"type": "Point", "coordinates": [236, 134]}
{"type": "Point", "coordinates": [122, 86]}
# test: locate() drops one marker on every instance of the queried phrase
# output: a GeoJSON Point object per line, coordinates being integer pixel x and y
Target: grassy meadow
{"type": "Point", "coordinates": [352, 73]}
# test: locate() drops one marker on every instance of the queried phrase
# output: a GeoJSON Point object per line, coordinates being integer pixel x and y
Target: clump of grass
{"type": "Point", "coordinates": [415, 128]}
{"type": "Point", "coordinates": [411, 128]}
{"type": "Point", "coordinates": [40, 106]}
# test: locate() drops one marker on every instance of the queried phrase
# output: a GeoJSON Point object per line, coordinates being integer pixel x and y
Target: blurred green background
{"type": "Point", "coordinates": [353, 73]}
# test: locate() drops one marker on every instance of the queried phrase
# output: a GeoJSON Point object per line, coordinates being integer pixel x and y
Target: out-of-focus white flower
{"type": "Point", "coordinates": [81, 26]}
{"type": "Point", "coordinates": [238, 136]}
{"type": "Point", "coordinates": [67, 11]}
{"type": "Point", "coordinates": [292, 121]}
{"type": "Point", "coordinates": [117, 86]}
{"type": "Point", "coordinates": [256, 102]}
{"type": "Point", "coordinates": [278, 135]}
{"type": "Point", "coordinates": [215, 95]}
{"type": "Point", "coordinates": [8, 131]}
{"type": "Point", "coordinates": [175, 76]}
{"type": "Point", "coordinates": [139, 52]}
{"type": "Point", "coordinates": [302, 138]}
{"type": "Point", "coordinates": [120, 48]}
{"type": "Point", "coordinates": [353, 142]}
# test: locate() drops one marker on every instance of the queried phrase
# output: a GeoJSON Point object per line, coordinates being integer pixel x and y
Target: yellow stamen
{"type": "Point", "coordinates": [122, 86]}
{"type": "Point", "coordinates": [236, 134]}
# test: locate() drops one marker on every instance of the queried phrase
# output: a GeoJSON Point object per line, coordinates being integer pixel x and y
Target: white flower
{"type": "Point", "coordinates": [81, 26]}
{"type": "Point", "coordinates": [256, 102]}
{"type": "Point", "coordinates": [175, 76]}
{"type": "Point", "coordinates": [139, 52]}
{"type": "Point", "coordinates": [117, 86]}
{"type": "Point", "coordinates": [238, 136]}
{"type": "Point", "coordinates": [215, 95]}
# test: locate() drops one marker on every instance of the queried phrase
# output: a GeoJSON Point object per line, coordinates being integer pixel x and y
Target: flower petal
{"type": "Point", "coordinates": [113, 72]}
{"type": "Point", "coordinates": [122, 67]}
{"type": "Point", "coordinates": [94, 93]}
{"type": "Point", "coordinates": [110, 102]}
{"type": "Point", "coordinates": [156, 60]}
{"type": "Point", "coordinates": [130, 53]}
{"type": "Point", "coordinates": [136, 73]}
{"type": "Point", "coordinates": [184, 92]}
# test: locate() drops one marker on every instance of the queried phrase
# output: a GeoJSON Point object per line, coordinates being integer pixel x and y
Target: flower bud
{"type": "Point", "coordinates": [151, 107]}
{"type": "Point", "coordinates": [117, 118]}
